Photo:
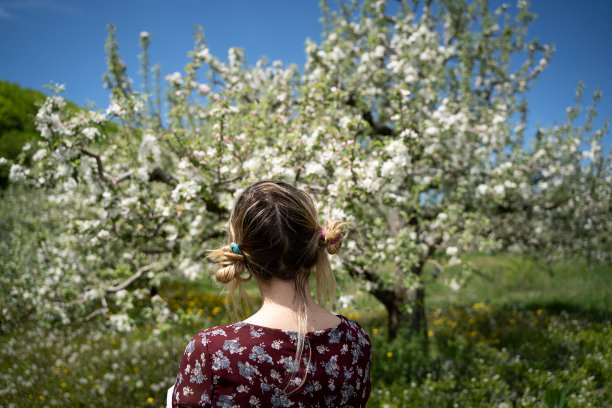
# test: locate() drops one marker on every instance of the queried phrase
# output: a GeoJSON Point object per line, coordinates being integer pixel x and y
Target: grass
{"type": "Point", "coordinates": [517, 335]}
{"type": "Point", "coordinates": [510, 280]}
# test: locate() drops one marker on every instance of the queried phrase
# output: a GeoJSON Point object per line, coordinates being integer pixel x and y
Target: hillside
{"type": "Point", "coordinates": [18, 107]}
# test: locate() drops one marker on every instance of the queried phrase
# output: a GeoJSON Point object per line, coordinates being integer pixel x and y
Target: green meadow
{"type": "Point", "coordinates": [519, 334]}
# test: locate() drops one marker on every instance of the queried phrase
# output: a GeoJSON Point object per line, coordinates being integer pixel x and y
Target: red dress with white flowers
{"type": "Point", "coordinates": [245, 365]}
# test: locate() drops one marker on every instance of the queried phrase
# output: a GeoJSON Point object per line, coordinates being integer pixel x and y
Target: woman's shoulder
{"type": "Point", "coordinates": [205, 336]}
{"type": "Point", "coordinates": [357, 330]}
{"type": "Point", "coordinates": [219, 336]}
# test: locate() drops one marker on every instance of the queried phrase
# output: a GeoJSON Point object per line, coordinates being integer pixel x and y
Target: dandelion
{"type": "Point", "coordinates": [539, 311]}
{"type": "Point", "coordinates": [375, 331]}
{"type": "Point", "coordinates": [430, 333]}
{"type": "Point", "coordinates": [41, 397]}
{"type": "Point", "coordinates": [471, 321]}
{"type": "Point", "coordinates": [512, 321]}
{"type": "Point", "coordinates": [150, 400]}
{"type": "Point", "coordinates": [473, 334]}
{"type": "Point", "coordinates": [389, 354]}
{"type": "Point", "coordinates": [216, 310]}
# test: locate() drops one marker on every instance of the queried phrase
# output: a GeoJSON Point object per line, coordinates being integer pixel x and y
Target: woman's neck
{"type": "Point", "coordinates": [280, 306]}
{"type": "Point", "coordinates": [282, 295]}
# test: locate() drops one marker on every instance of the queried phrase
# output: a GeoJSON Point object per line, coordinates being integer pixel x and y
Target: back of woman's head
{"type": "Point", "coordinates": [274, 232]}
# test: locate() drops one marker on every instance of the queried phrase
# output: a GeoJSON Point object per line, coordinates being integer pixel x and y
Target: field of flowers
{"type": "Point", "coordinates": [480, 354]}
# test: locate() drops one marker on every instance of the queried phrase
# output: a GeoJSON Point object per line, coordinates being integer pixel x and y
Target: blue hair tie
{"type": "Point", "coordinates": [235, 248]}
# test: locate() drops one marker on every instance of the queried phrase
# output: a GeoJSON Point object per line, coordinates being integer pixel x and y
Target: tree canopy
{"type": "Point", "coordinates": [411, 125]}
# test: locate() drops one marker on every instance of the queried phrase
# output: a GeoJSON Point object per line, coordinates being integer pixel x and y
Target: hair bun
{"type": "Point", "coordinates": [335, 233]}
{"type": "Point", "coordinates": [231, 265]}
{"type": "Point", "coordinates": [225, 274]}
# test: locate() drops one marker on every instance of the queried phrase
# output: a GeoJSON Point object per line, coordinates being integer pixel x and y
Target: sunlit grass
{"type": "Point", "coordinates": [516, 335]}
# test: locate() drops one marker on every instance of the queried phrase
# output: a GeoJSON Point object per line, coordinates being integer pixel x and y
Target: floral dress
{"type": "Point", "coordinates": [245, 365]}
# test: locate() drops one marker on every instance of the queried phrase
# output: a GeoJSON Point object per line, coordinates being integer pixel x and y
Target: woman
{"type": "Point", "coordinates": [292, 352]}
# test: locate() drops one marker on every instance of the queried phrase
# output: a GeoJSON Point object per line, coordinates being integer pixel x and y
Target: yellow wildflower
{"type": "Point", "coordinates": [389, 354]}
{"type": "Point", "coordinates": [150, 400]}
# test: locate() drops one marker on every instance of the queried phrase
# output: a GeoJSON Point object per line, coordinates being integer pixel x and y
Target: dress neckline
{"type": "Point", "coordinates": [308, 334]}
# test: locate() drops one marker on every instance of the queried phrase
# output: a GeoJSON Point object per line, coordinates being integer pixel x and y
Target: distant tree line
{"type": "Point", "coordinates": [18, 107]}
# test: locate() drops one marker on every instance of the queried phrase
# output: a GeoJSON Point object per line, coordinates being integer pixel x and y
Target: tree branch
{"type": "Point", "coordinates": [98, 161]}
{"type": "Point", "coordinates": [131, 279]}
{"type": "Point", "coordinates": [159, 174]}
{"type": "Point", "coordinates": [125, 176]}
{"type": "Point", "coordinates": [96, 312]}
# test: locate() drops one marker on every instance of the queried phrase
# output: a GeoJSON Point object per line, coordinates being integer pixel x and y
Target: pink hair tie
{"type": "Point", "coordinates": [324, 232]}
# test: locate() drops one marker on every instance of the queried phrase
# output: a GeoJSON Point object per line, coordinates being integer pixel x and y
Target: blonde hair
{"type": "Point", "coordinates": [277, 229]}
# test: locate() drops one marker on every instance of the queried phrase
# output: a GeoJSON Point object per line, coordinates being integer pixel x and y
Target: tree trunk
{"type": "Point", "coordinates": [395, 300]}
{"type": "Point", "coordinates": [418, 319]}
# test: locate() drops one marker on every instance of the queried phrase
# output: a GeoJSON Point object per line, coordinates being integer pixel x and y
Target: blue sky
{"type": "Point", "coordinates": [63, 41]}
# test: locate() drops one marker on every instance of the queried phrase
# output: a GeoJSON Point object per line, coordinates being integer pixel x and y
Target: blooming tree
{"type": "Point", "coordinates": [409, 124]}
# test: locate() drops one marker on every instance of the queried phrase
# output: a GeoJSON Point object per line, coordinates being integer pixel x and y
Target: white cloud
{"type": "Point", "coordinates": [12, 9]}
{"type": "Point", "coordinates": [4, 13]}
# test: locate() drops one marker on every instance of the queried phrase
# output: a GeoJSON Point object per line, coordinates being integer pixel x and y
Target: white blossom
{"type": "Point", "coordinates": [18, 173]}
{"type": "Point", "coordinates": [451, 251]}
{"type": "Point", "coordinates": [174, 78]}
{"type": "Point", "coordinates": [314, 168]}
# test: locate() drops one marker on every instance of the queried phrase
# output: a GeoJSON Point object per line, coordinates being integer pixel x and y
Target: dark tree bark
{"type": "Point", "coordinates": [395, 301]}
